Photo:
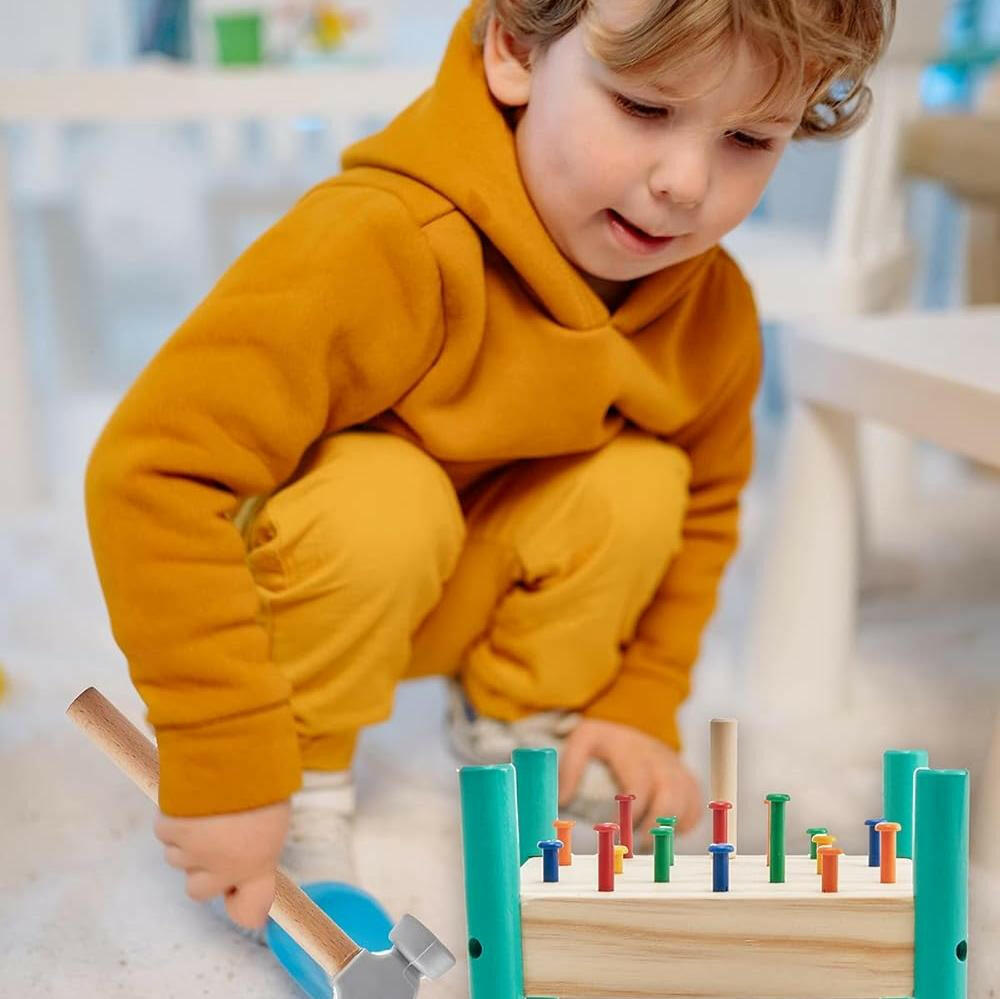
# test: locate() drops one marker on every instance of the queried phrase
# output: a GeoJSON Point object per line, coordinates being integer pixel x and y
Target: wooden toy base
{"type": "Point", "coordinates": [682, 939]}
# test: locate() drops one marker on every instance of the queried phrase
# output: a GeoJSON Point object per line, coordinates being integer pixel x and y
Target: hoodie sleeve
{"type": "Point", "coordinates": [654, 679]}
{"type": "Point", "coordinates": [328, 319]}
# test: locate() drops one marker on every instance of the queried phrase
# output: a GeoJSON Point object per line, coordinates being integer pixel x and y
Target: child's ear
{"type": "Point", "coordinates": [508, 65]}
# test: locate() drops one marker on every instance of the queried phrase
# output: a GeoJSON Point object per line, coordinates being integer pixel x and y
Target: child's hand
{"type": "Point", "coordinates": [233, 855]}
{"type": "Point", "coordinates": [642, 765]}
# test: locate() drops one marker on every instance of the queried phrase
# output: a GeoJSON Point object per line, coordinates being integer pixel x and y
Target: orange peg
{"type": "Point", "coordinates": [564, 833]}
{"type": "Point", "coordinates": [887, 849]}
{"type": "Point", "coordinates": [821, 840]}
{"type": "Point", "coordinates": [831, 866]}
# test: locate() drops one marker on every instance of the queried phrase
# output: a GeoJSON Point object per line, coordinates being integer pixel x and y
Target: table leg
{"type": "Point", "coordinates": [801, 629]}
{"type": "Point", "coordinates": [986, 842]}
{"type": "Point", "coordinates": [19, 469]}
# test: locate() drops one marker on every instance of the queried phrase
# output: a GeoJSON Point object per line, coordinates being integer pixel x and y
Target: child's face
{"type": "Point", "coordinates": [629, 180]}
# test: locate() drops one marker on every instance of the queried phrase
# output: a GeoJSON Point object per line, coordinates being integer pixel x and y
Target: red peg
{"type": "Point", "coordinates": [625, 821]}
{"type": "Point", "coordinates": [606, 855]}
{"type": "Point", "coordinates": [720, 820]}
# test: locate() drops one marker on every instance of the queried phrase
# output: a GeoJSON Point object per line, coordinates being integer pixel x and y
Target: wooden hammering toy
{"type": "Point", "coordinates": [354, 973]}
{"type": "Point", "coordinates": [660, 930]}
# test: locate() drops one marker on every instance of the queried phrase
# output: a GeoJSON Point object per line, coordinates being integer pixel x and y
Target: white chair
{"type": "Point", "coordinates": [933, 376]}
{"type": "Point", "coordinates": [865, 262]}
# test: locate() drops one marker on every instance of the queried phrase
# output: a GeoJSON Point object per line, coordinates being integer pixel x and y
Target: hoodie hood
{"type": "Point", "coordinates": [456, 140]}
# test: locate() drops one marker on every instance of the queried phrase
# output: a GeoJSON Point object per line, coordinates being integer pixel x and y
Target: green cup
{"type": "Point", "coordinates": [239, 37]}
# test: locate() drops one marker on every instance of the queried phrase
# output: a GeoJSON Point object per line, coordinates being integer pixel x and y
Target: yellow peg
{"type": "Point", "coordinates": [620, 850]}
{"type": "Point", "coordinates": [822, 839]}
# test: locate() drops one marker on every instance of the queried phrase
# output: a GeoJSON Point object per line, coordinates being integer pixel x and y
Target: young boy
{"type": "Point", "coordinates": [478, 406]}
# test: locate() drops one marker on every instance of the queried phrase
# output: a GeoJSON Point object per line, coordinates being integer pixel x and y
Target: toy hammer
{"type": "Point", "coordinates": [354, 973]}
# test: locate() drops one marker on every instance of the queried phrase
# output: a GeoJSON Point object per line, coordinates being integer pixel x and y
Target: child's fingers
{"type": "Point", "coordinates": [186, 856]}
{"type": "Point", "coordinates": [647, 810]}
{"type": "Point", "coordinates": [681, 799]}
{"type": "Point", "coordinates": [661, 801]}
{"type": "Point", "coordinates": [176, 857]}
{"type": "Point", "coordinates": [644, 804]}
{"type": "Point", "coordinates": [202, 885]}
{"type": "Point", "coordinates": [248, 903]}
{"type": "Point", "coordinates": [691, 813]}
{"type": "Point", "coordinates": [574, 756]}
{"type": "Point", "coordinates": [633, 778]}
{"type": "Point", "coordinates": [185, 834]}
{"type": "Point", "coordinates": [165, 830]}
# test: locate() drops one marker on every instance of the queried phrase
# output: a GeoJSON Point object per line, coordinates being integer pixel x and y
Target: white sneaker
{"type": "Point", "coordinates": [320, 841]}
{"type": "Point", "coordinates": [481, 740]}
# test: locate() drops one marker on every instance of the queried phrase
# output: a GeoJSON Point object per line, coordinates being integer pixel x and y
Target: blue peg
{"type": "Point", "coordinates": [720, 865]}
{"type": "Point", "coordinates": [874, 857]}
{"type": "Point", "coordinates": [550, 858]}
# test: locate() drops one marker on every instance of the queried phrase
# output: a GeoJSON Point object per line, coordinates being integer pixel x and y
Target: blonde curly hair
{"type": "Point", "coordinates": [824, 48]}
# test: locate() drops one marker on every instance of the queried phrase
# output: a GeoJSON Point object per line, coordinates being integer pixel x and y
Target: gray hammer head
{"type": "Point", "coordinates": [396, 973]}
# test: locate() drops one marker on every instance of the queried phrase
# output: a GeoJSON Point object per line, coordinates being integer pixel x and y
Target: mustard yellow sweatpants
{"type": "Point", "coordinates": [370, 572]}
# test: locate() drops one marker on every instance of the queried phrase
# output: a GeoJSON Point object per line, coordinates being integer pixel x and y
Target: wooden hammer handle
{"type": "Point", "coordinates": [318, 935]}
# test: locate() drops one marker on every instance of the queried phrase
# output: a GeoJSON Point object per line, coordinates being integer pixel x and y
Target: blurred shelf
{"type": "Point", "coordinates": [163, 92]}
{"type": "Point", "coordinates": [970, 57]}
{"type": "Point", "coordinates": [961, 151]}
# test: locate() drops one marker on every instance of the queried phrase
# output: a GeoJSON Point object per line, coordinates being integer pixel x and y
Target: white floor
{"type": "Point", "coordinates": [89, 909]}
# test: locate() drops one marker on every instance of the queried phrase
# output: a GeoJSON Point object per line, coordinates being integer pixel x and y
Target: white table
{"type": "Point", "coordinates": [933, 376]}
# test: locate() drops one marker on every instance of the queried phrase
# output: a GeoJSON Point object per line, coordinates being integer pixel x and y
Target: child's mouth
{"type": "Point", "coordinates": [632, 237]}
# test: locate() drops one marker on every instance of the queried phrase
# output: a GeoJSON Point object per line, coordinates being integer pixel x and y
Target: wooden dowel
{"type": "Point", "coordinates": [724, 770]}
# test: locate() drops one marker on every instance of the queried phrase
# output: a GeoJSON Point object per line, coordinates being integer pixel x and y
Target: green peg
{"type": "Point", "coordinates": [671, 822]}
{"type": "Point", "coordinates": [941, 884]}
{"type": "Point", "coordinates": [898, 768]}
{"type": "Point", "coordinates": [537, 782]}
{"type": "Point", "coordinates": [777, 841]}
{"type": "Point", "coordinates": [814, 831]}
{"type": "Point", "coordinates": [663, 848]}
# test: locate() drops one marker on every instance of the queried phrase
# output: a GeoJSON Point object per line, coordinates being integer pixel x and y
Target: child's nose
{"type": "Point", "coordinates": [682, 174]}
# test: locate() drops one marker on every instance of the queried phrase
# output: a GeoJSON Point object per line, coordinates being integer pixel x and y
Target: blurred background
{"type": "Point", "coordinates": [145, 143]}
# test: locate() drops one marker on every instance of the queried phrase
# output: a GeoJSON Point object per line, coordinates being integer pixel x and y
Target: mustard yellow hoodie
{"type": "Point", "coordinates": [418, 292]}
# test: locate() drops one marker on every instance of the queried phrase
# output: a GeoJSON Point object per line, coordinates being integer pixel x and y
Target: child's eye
{"type": "Point", "coordinates": [750, 141]}
{"type": "Point", "coordinates": [637, 110]}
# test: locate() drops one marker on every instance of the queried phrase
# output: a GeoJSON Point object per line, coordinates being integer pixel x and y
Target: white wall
{"type": "Point", "coordinates": [61, 34]}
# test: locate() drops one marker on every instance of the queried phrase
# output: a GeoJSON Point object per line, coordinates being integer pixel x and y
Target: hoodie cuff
{"type": "Point", "coordinates": [230, 765]}
{"type": "Point", "coordinates": [646, 703]}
